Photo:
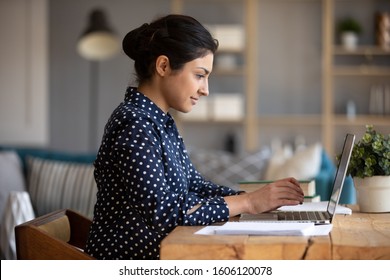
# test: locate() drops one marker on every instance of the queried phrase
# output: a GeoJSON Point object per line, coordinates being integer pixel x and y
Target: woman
{"type": "Point", "coordinates": [147, 185]}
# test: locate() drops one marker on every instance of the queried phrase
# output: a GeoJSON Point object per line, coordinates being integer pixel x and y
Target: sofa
{"type": "Point", "coordinates": [34, 182]}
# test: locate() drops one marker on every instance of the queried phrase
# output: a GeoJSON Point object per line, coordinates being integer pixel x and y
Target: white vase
{"type": "Point", "coordinates": [373, 193]}
{"type": "Point", "coordinates": [349, 40]}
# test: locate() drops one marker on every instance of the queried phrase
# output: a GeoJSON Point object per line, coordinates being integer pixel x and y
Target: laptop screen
{"type": "Point", "coordinates": [340, 174]}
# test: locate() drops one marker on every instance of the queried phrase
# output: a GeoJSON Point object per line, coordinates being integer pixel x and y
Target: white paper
{"type": "Point", "coordinates": [209, 230]}
{"type": "Point", "coordinates": [320, 230]}
{"type": "Point", "coordinates": [316, 206]}
{"type": "Point", "coordinates": [267, 229]}
{"type": "Point", "coordinates": [253, 228]}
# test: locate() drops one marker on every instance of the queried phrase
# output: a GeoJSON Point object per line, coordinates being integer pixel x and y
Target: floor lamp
{"type": "Point", "coordinates": [97, 43]}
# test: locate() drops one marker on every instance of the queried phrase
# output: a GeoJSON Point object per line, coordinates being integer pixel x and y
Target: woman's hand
{"type": "Point", "coordinates": [270, 197]}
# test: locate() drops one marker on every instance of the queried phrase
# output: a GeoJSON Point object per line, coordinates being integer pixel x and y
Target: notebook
{"type": "Point", "coordinates": [317, 217]}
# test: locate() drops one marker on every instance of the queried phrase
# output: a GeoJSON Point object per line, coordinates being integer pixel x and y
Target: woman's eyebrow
{"type": "Point", "coordinates": [205, 70]}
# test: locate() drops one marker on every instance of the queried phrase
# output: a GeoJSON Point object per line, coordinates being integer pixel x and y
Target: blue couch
{"type": "Point", "coordinates": [324, 179]}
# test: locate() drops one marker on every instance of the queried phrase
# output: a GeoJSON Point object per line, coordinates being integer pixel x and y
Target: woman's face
{"type": "Point", "coordinates": [182, 89]}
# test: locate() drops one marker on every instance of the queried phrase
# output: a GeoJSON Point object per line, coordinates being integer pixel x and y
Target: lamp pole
{"type": "Point", "coordinates": [98, 42]}
{"type": "Point", "coordinates": [93, 104]}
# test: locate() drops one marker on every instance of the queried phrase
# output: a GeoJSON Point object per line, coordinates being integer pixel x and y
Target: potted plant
{"type": "Point", "coordinates": [369, 167]}
{"type": "Point", "coordinates": [349, 30]}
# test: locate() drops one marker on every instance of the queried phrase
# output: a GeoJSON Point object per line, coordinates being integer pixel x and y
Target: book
{"type": "Point", "coordinates": [308, 186]}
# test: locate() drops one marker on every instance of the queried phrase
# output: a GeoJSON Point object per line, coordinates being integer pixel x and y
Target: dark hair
{"type": "Point", "coordinates": [181, 38]}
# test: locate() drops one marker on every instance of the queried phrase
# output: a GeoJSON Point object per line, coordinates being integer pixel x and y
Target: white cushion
{"type": "Point", "coordinates": [11, 176]}
{"type": "Point", "coordinates": [304, 164]}
{"type": "Point", "coordinates": [18, 210]}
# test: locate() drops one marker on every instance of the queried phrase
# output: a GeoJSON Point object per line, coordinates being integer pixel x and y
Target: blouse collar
{"type": "Point", "coordinates": [144, 103]}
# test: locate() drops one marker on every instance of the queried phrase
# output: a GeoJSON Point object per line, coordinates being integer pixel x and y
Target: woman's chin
{"type": "Point", "coordinates": [186, 110]}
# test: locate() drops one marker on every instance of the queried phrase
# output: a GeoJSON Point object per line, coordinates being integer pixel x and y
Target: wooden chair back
{"type": "Point", "coordinates": [60, 235]}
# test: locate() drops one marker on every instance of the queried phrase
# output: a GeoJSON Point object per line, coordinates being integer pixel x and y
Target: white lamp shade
{"type": "Point", "coordinates": [99, 45]}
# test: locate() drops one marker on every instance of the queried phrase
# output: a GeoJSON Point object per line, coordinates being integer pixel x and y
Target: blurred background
{"type": "Point", "coordinates": [281, 73]}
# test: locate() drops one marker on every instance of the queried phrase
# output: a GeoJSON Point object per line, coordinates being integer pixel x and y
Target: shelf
{"type": "Point", "coordinates": [210, 121]}
{"type": "Point", "coordinates": [361, 50]}
{"type": "Point", "coordinates": [265, 120]}
{"type": "Point", "coordinates": [361, 71]}
{"type": "Point", "coordinates": [290, 120]}
{"type": "Point", "coordinates": [362, 120]}
{"type": "Point", "coordinates": [367, 63]}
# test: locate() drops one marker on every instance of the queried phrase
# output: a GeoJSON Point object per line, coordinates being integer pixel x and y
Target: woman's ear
{"type": "Point", "coordinates": [162, 65]}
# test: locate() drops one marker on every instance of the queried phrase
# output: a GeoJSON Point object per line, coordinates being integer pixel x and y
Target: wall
{"type": "Point", "coordinates": [70, 74]}
{"type": "Point", "coordinates": [23, 72]}
{"type": "Point", "coordinates": [289, 67]}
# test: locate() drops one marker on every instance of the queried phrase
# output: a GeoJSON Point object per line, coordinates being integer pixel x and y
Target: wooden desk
{"type": "Point", "coordinates": [356, 236]}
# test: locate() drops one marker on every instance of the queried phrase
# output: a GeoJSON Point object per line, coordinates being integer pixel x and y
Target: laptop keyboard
{"type": "Point", "coordinates": [300, 215]}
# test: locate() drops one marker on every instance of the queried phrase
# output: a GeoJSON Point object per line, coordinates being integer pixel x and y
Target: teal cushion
{"type": "Point", "coordinates": [86, 158]}
{"type": "Point", "coordinates": [328, 171]}
{"type": "Point", "coordinates": [322, 184]}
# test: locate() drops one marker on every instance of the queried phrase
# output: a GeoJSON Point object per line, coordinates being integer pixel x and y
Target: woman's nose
{"type": "Point", "coordinates": [204, 89]}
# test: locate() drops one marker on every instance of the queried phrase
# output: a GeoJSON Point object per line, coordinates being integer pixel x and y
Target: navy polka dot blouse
{"type": "Point", "coordinates": [146, 184]}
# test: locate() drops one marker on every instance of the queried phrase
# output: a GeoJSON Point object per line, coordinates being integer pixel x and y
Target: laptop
{"type": "Point", "coordinates": [317, 217]}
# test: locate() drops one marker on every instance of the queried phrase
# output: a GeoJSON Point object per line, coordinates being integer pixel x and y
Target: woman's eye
{"type": "Point", "coordinates": [199, 76]}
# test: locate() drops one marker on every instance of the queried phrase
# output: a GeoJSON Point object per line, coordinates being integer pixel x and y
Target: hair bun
{"type": "Point", "coordinates": [132, 43]}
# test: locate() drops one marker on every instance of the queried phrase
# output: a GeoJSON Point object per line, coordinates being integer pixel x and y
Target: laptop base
{"type": "Point", "coordinates": [317, 217]}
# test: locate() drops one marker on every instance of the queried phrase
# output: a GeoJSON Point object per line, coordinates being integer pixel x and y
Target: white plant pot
{"type": "Point", "coordinates": [373, 193]}
{"type": "Point", "coordinates": [349, 40]}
